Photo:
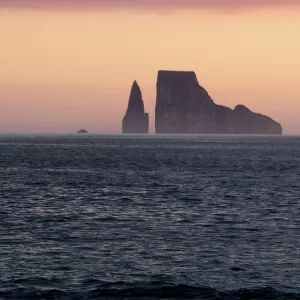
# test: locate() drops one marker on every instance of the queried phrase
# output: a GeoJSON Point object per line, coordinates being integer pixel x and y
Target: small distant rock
{"type": "Point", "coordinates": [82, 131]}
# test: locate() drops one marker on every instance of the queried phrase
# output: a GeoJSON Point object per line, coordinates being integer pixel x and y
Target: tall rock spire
{"type": "Point", "coordinates": [135, 119]}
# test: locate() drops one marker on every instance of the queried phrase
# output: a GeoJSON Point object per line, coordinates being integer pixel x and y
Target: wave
{"type": "Point", "coordinates": [120, 290]}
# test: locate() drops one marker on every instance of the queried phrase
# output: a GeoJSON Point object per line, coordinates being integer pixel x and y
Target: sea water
{"type": "Point", "coordinates": [149, 217]}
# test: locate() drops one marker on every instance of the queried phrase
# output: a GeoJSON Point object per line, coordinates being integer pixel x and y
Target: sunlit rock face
{"type": "Point", "coordinates": [135, 119]}
{"type": "Point", "coordinates": [185, 107]}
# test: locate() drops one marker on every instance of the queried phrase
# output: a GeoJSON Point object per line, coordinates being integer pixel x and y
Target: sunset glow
{"type": "Point", "coordinates": [66, 69]}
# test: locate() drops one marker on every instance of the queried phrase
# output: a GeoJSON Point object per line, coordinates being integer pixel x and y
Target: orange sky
{"type": "Point", "coordinates": [61, 70]}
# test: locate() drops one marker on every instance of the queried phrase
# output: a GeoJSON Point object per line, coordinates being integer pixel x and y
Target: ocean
{"type": "Point", "coordinates": [149, 217]}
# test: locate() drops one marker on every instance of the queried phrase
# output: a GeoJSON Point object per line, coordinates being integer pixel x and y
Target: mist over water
{"type": "Point", "coordinates": [149, 217]}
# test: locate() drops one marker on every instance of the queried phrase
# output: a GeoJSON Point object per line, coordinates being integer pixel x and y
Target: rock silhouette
{"type": "Point", "coordinates": [185, 107]}
{"type": "Point", "coordinates": [135, 119]}
{"type": "Point", "coordinates": [82, 131]}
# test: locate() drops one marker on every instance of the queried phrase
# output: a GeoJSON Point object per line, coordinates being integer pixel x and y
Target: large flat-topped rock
{"type": "Point", "coordinates": [180, 81]}
{"type": "Point", "coordinates": [183, 106]}
{"type": "Point", "coordinates": [176, 75]}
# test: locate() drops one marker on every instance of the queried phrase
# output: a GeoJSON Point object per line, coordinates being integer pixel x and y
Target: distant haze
{"type": "Point", "coordinates": [66, 69]}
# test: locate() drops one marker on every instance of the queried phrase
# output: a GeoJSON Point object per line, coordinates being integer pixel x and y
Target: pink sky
{"type": "Point", "coordinates": [63, 69]}
{"type": "Point", "coordinates": [149, 4]}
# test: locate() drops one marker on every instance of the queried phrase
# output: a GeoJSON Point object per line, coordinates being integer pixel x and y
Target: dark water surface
{"type": "Point", "coordinates": [185, 217]}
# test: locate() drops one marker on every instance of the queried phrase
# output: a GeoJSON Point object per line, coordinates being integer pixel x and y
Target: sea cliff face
{"type": "Point", "coordinates": [135, 119]}
{"type": "Point", "coordinates": [183, 106]}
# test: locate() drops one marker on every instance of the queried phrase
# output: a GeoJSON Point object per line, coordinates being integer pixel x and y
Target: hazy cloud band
{"type": "Point", "coordinates": [148, 4]}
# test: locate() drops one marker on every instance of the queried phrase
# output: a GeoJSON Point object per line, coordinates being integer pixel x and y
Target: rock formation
{"type": "Point", "coordinates": [82, 131]}
{"type": "Point", "coordinates": [183, 106]}
{"type": "Point", "coordinates": [135, 119]}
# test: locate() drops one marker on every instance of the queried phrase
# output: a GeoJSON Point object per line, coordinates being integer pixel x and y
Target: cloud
{"type": "Point", "coordinates": [149, 4]}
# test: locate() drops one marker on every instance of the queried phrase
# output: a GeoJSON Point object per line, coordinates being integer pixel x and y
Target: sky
{"type": "Point", "coordinates": [70, 64]}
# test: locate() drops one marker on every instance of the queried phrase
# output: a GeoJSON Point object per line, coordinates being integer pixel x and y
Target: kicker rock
{"type": "Point", "coordinates": [135, 119]}
{"type": "Point", "coordinates": [182, 105]}
{"type": "Point", "coordinates": [185, 107]}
